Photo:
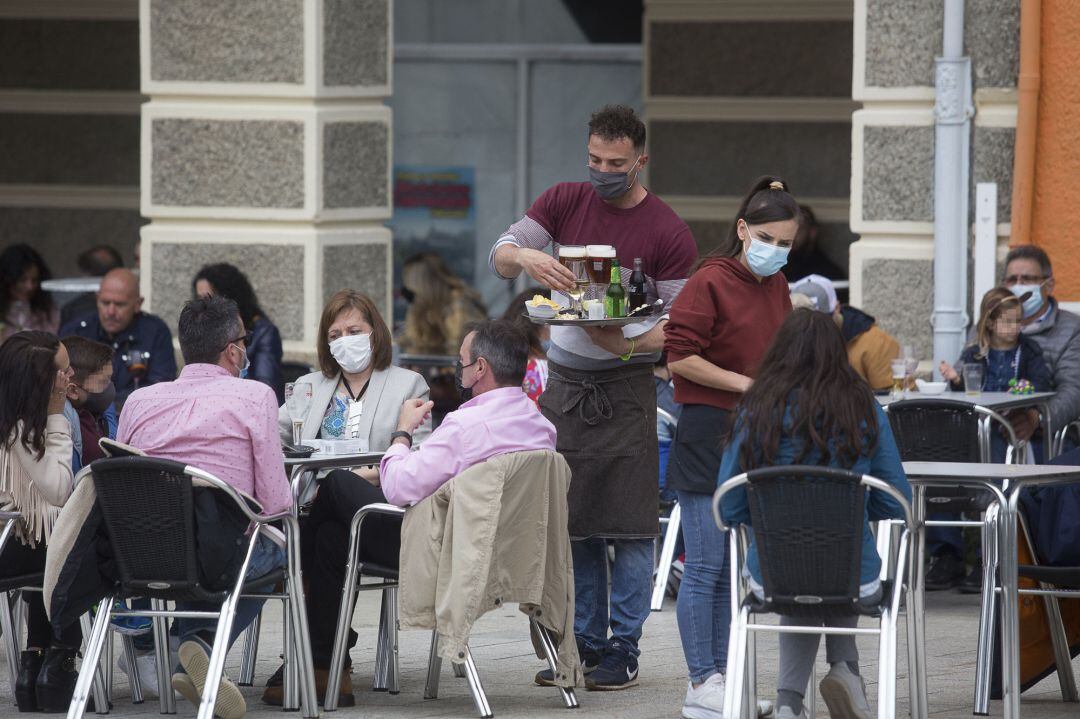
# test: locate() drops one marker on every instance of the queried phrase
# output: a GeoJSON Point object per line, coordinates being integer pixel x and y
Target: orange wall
{"type": "Point", "coordinates": [1056, 210]}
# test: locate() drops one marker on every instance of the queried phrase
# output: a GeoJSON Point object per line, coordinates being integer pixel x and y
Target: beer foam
{"type": "Point", "coordinates": [602, 251]}
{"type": "Point", "coordinates": [572, 251]}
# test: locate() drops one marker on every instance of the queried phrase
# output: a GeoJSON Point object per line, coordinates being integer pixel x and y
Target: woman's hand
{"type": "Point", "coordinates": [948, 373]}
{"type": "Point", "coordinates": [58, 394]}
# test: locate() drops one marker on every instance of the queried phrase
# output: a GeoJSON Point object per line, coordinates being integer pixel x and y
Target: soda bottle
{"type": "Point", "coordinates": [615, 297]}
{"type": "Point", "coordinates": [636, 290]}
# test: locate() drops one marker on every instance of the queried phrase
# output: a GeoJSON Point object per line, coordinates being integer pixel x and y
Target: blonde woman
{"type": "Point", "coordinates": [440, 306]}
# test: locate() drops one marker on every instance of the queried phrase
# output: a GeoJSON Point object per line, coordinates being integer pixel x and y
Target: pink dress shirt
{"type": "Point", "coordinates": [217, 423]}
{"type": "Point", "coordinates": [497, 422]}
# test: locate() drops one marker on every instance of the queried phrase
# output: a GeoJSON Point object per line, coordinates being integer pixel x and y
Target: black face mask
{"type": "Point", "coordinates": [408, 295]}
{"type": "Point", "coordinates": [464, 392]}
{"type": "Point", "coordinates": [97, 402]}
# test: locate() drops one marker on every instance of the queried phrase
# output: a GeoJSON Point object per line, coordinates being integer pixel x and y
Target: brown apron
{"type": "Point", "coordinates": [606, 424]}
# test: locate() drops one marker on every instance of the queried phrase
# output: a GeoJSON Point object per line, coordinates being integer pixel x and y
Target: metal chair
{"type": "Point", "coordinates": [808, 525]}
{"type": "Point", "coordinates": [671, 525]}
{"type": "Point", "coordinates": [149, 503]}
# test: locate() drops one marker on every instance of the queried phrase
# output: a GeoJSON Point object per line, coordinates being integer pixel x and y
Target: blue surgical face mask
{"type": "Point", "coordinates": [247, 363]}
{"type": "Point", "coordinates": [545, 345]}
{"type": "Point", "coordinates": [765, 259]}
{"type": "Point", "coordinates": [1033, 303]}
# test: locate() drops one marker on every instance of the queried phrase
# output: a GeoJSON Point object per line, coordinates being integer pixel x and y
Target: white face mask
{"type": "Point", "coordinates": [352, 352]}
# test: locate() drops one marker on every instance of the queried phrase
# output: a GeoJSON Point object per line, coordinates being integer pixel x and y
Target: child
{"type": "Point", "coordinates": [1004, 353]}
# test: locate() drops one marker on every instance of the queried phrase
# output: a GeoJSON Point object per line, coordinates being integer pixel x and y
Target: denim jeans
{"type": "Point", "coordinates": [704, 604]}
{"type": "Point", "coordinates": [631, 590]}
{"type": "Point", "coordinates": [266, 557]}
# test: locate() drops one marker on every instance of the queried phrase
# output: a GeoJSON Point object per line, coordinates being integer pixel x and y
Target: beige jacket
{"type": "Point", "coordinates": [37, 488]}
{"type": "Point", "coordinates": [495, 534]}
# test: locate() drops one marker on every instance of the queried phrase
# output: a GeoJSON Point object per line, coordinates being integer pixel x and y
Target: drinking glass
{"type": "Point", "coordinates": [973, 378]}
{"type": "Point", "coordinates": [899, 373]}
{"type": "Point", "coordinates": [297, 402]}
{"type": "Point", "coordinates": [599, 261]}
{"type": "Point", "coordinates": [574, 258]}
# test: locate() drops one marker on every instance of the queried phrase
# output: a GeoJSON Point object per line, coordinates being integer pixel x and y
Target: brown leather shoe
{"type": "Point", "coordinates": [275, 695]}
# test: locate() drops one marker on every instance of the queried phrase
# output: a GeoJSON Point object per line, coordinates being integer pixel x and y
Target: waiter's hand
{"type": "Point", "coordinates": [545, 269]}
{"type": "Point", "coordinates": [1024, 422]}
{"type": "Point", "coordinates": [609, 338]}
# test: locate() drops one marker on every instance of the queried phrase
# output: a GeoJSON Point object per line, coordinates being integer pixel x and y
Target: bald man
{"type": "Point", "coordinates": [141, 342]}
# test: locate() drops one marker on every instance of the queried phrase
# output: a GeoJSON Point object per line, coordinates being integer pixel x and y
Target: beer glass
{"type": "Point", "coordinates": [973, 378]}
{"type": "Point", "coordinates": [599, 265]}
{"type": "Point", "coordinates": [899, 375]}
{"type": "Point", "coordinates": [297, 402]}
{"type": "Point", "coordinates": [575, 259]}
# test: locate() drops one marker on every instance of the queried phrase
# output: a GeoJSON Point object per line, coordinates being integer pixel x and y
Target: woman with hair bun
{"type": "Point", "coordinates": [721, 325]}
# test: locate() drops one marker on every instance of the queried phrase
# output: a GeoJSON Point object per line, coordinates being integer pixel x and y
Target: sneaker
{"type": "Point", "coordinates": [764, 709]}
{"type": "Point", "coordinates": [130, 625]}
{"type": "Point", "coordinates": [972, 583]}
{"type": "Point", "coordinates": [146, 663]}
{"type": "Point", "coordinates": [785, 712]}
{"type": "Point", "coordinates": [945, 572]}
{"type": "Point", "coordinates": [190, 683]}
{"type": "Point", "coordinates": [844, 693]}
{"type": "Point", "coordinates": [618, 669]}
{"type": "Point", "coordinates": [590, 660]}
{"type": "Point", "coordinates": [706, 701]}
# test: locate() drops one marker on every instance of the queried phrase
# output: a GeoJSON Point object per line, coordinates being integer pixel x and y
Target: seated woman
{"type": "Point", "coordinates": [36, 481]}
{"type": "Point", "coordinates": [808, 406]}
{"type": "Point", "coordinates": [539, 336]}
{"type": "Point", "coordinates": [264, 346]}
{"type": "Point", "coordinates": [354, 349]}
{"type": "Point", "coordinates": [23, 304]}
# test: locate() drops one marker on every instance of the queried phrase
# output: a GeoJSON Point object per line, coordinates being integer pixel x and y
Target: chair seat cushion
{"type": "Point", "coordinates": [8, 584]}
{"type": "Point", "coordinates": [1068, 577]}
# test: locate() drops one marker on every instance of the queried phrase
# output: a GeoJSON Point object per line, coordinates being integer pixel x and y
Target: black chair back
{"type": "Point", "coordinates": [808, 526]}
{"type": "Point", "coordinates": [148, 509]}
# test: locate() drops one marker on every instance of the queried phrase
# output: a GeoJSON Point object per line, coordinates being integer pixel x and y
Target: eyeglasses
{"type": "Point", "coordinates": [1024, 279]}
{"type": "Point", "coordinates": [246, 339]}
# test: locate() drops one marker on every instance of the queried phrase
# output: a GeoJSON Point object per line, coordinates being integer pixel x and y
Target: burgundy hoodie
{"type": "Point", "coordinates": [726, 316]}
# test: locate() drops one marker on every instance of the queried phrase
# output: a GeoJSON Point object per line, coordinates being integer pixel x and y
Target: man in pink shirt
{"type": "Point", "coordinates": [496, 418]}
{"type": "Point", "coordinates": [211, 418]}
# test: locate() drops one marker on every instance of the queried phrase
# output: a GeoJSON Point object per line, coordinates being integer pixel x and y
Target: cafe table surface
{"type": "Point", "coordinates": [1009, 479]}
{"type": "Point", "coordinates": [300, 466]}
{"type": "Point", "coordinates": [997, 401]}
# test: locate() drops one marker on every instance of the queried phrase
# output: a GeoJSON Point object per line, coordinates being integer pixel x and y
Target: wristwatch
{"type": "Point", "coordinates": [401, 433]}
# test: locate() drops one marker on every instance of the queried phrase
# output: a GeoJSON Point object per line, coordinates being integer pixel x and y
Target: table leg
{"type": "Point", "coordinates": [1050, 446]}
{"type": "Point", "coordinates": [1010, 622]}
{"type": "Point", "coordinates": [917, 608]}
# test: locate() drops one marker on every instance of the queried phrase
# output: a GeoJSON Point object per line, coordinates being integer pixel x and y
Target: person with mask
{"type": "Point", "coordinates": [211, 419]}
{"type": "Point", "coordinates": [354, 377]}
{"type": "Point", "coordinates": [1057, 332]}
{"type": "Point", "coordinates": [720, 328]}
{"type": "Point", "coordinates": [600, 390]}
{"type": "Point", "coordinates": [91, 395]}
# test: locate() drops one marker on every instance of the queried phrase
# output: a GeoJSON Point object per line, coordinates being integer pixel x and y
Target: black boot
{"type": "Point", "coordinates": [56, 680]}
{"type": "Point", "coordinates": [29, 666]}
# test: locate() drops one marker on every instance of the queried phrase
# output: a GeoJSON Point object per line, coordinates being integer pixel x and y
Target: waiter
{"type": "Point", "coordinates": [600, 394]}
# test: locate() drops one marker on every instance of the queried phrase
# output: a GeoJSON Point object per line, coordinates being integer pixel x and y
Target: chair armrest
{"type": "Point", "coordinates": [377, 508]}
{"type": "Point", "coordinates": [6, 516]}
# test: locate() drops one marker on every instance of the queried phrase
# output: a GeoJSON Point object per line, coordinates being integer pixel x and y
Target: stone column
{"type": "Point", "coordinates": [266, 143]}
{"type": "Point", "coordinates": [892, 148]}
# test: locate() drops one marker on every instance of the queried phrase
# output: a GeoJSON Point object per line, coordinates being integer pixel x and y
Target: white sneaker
{"type": "Point", "coordinates": [764, 709]}
{"type": "Point", "coordinates": [706, 701]}
{"type": "Point", "coordinates": [844, 693]}
{"type": "Point", "coordinates": [147, 666]}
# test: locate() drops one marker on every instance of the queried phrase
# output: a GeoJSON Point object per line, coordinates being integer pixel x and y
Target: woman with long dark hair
{"type": "Point", "coordinates": [23, 304]}
{"type": "Point", "coordinates": [720, 326]}
{"type": "Point", "coordinates": [809, 406]}
{"type": "Point", "coordinates": [264, 347]}
{"type": "Point", "coordinates": [35, 481]}
{"type": "Point", "coordinates": [539, 336]}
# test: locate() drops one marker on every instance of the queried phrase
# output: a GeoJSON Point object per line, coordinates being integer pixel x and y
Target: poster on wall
{"type": "Point", "coordinates": [434, 211]}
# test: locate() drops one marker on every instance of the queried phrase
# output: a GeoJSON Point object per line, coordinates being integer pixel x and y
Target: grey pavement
{"type": "Point", "coordinates": [504, 657]}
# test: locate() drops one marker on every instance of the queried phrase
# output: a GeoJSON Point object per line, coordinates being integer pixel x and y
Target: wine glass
{"type": "Point", "coordinates": [297, 402]}
{"type": "Point", "coordinates": [911, 364]}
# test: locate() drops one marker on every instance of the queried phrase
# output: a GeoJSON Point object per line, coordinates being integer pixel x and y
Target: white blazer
{"type": "Point", "coordinates": [387, 391]}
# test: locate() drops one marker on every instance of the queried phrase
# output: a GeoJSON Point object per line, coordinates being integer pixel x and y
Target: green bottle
{"type": "Point", "coordinates": [615, 297]}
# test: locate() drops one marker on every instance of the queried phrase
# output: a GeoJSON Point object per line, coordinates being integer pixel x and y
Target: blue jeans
{"type": "Point", "coordinates": [704, 605]}
{"type": "Point", "coordinates": [631, 590]}
{"type": "Point", "coordinates": [266, 557]}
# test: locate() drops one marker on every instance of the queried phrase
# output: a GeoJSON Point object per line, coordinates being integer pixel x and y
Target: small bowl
{"type": "Point", "coordinates": [931, 388]}
{"type": "Point", "coordinates": [543, 312]}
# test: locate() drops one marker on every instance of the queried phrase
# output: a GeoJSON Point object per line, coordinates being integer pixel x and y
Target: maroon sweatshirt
{"type": "Point", "coordinates": [726, 316]}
